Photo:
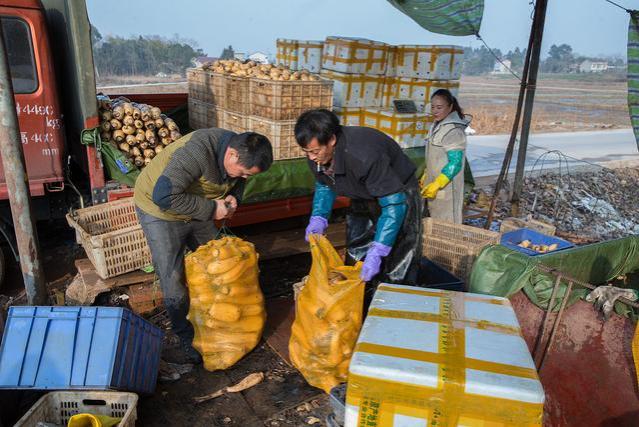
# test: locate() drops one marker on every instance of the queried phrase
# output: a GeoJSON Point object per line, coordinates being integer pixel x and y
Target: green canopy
{"type": "Point", "coordinates": [450, 17]}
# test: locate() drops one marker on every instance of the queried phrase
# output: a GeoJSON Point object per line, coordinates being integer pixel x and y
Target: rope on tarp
{"type": "Point", "coordinates": [618, 5]}
{"type": "Point", "coordinates": [497, 57]}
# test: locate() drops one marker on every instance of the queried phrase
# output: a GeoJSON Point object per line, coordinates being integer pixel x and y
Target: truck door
{"type": "Point", "coordinates": [36, 99]}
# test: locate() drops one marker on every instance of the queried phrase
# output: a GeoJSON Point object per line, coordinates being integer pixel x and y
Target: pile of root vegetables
{"type": "Point", "coordinates": [237, 68]}
{"type": "Point", "coordinates": [140, 131]}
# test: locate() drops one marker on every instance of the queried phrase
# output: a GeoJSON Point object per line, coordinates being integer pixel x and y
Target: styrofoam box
{"type": "Point", "coordinates": [438, 62]}
{"type": "Point", "coordinates": [419, 90]}
{"type": "Point", "coordinates": [408, 130]}
{"type": "Point", "coordinates": [309, 55]}
{"type": "Point", "coordinates": [427, 356]}
{"type": "Point", "coordinates": [287, 53]}
{"type": "Point", "coordinates": [349, 116]}
{"type": "Point", "coordinates": [354, 55]}
{"type": "Point", "coordinates": [355, 90]}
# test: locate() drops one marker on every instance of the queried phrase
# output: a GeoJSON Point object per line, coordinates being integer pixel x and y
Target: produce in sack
{"type": "Point", "coordinates": [227, 305]}
{"type": "Point", "coordinates": [328, 317]}
{"type": "Point", "coordinates": [237, 68]}
{"type": "Point", "coordinates": [136, 129]}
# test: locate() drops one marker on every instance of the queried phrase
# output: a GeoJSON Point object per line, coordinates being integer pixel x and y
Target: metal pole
{"type": "Point", "coordinates": [539, 21]}
{"type": "Point", "coordinates": [510, 148]}
{"type": "Point", "coordinates": [18, 187]}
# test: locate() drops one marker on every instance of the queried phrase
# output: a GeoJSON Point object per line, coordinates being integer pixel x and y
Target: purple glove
{"type": "Point", "coordinates": [373, 261]}
{"type": "Point", "coordinates": [316, 225]}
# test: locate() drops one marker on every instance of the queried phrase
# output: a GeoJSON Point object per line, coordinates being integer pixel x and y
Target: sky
{"type": "Point", "coordinates": [591, 27]}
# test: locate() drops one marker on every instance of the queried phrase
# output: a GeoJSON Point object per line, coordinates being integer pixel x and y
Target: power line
{"type": "Point", "coordinates": [498, 58]}
{"type": "Point", "coordinates": [618, 5]}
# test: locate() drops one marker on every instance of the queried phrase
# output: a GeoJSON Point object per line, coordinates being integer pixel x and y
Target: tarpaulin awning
{"type": "Point", "coordinates": [450, 17]}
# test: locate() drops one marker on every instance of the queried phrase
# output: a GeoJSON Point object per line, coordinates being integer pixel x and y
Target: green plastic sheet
{"type": "Point", "coordinates": [293, 178]}
{"type": "Point", "coordinates": [451, 17]}
{"type": "Point", "coordinates": [501, 271]}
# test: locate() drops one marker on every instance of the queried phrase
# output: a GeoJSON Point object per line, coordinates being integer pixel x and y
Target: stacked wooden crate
{"type": "Point", "coordinates": [261, 105]}
{"type": "Point", "coordinates": [275, 106]}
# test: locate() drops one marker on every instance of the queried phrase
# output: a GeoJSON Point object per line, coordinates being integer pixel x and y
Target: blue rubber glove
{"type": "Point", "coordinates": [316, 225]}
{"type": "Point", "coordinates": [373, 261]}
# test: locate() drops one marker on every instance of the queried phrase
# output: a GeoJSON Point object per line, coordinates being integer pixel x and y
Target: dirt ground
{"type": "Point", "coordinates": [282, 399]}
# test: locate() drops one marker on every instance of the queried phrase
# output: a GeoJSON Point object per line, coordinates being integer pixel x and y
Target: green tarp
{"type": "Point", "coordinates": [633, 72]}
{"type": "Point", "coordinates": [503, 272]}
{"type": "Point", "coordinates": [293, 178]}
{"type": "Point", "coordinates": [451, 17]}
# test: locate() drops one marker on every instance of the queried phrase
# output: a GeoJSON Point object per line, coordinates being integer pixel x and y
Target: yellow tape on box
{"type": "Point", "coordinates": [354, 56]}
{"type": "Point", "coordinates": [438, 358]}
{"type": "Point", "coordinates": [349, 116]}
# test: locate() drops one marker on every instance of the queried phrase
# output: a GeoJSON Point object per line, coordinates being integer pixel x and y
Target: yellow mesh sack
{"type": "Point", "coordinates": [226, 302]}
{"type": "Point", "coordinates": [328, 317]}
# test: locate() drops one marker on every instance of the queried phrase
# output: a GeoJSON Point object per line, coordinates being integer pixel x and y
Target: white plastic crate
{"type": "Point", "coordinates": [355, 90]}
{"type": "Point", "coordinates": [354, 56]}
{"type": "Point", "coordinates": [437, 62]}
{"type": "Point", "coordinates": [57, 407]}
{"type": "Point", "coordinates": [435, 357]}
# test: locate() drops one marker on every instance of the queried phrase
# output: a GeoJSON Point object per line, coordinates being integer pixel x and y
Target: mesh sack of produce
{"type": "Point", "coordinates": [226, 302]}
{"type": "Point", "coordinates": [328, 317]}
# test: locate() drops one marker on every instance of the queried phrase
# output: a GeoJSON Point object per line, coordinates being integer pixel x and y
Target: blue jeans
{"type": "Point", "coordinates": [168, 241]}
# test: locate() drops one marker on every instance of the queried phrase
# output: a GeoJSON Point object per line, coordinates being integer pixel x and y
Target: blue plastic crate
{"type": "Point", "coordinates": [66, 348]}
{"type": "Point", "coordinates": [513, 238]}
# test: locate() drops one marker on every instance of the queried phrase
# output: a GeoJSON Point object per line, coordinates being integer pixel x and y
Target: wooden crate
{"type": "Point", "coordinates": [455, 246]}
{"type": "Point", "coordinates": [286, 100]}
{"type": "Point", "coordinates": [204, 115]}
{"type": "Point", "coordinates": [235, 122]}
{"type": "Point", "coordinates": [236, 94]}
{"type": "Point", "coordinates": [206, 86]}
{"type": "Point", "coordinates": [280, 133]}
{"type": "Point", "coordinates": [112, 237]}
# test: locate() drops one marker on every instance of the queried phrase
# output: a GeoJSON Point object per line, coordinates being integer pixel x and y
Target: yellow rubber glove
{"type": "Point", "coordinates": [430, 191]}
{"type": "Point", "coordinates": [422, 181]}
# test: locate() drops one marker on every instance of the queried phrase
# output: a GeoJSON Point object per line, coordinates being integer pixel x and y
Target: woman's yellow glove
{"type": "Point", "coordinates": [430, 190]}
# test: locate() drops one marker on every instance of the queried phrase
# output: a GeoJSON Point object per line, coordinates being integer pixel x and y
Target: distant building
{"type": "Point", "coordinates": [502, 67]}
{"type": "Point", "coordinates": [259, 57]}
{"type": "Point", "coordinates": [589, 66]}
{"type": "Point", "coordinates": [201, 60]}
{"type": "Point", "coordinates": [239, 56]}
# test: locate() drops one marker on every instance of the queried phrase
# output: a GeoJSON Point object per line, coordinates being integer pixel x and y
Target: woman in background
{"type": "Point", "coordinates": [443, 180]}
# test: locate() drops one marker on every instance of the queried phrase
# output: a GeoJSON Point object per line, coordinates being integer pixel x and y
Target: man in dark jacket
{"type": "Point", "coordinates": [384, 222]}
{"type": "Point", "coordinates": [192, 182]}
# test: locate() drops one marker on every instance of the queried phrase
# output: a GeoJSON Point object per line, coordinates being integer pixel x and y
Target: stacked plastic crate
{"type": "Point", "coordinates": [206, 98]}
{"type": "Point", "coordinates": [357, 66]}
{"type": "Point", "coordinates": [413, 72]}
